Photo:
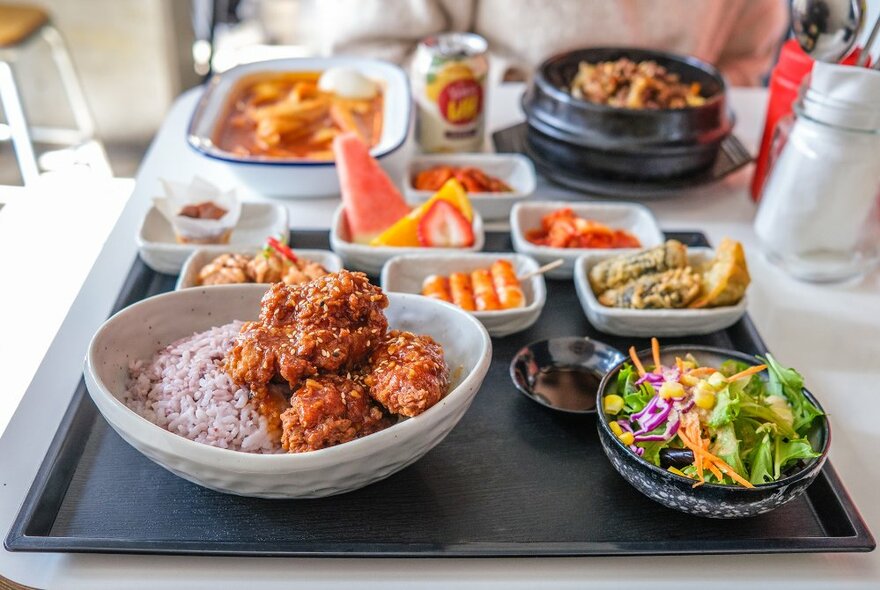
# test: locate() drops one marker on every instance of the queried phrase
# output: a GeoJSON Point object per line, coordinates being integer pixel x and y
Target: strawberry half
{"type": "Point", "coordinates": [444, 226]}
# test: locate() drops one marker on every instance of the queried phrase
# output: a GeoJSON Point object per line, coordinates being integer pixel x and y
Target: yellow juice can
{"type": "Point", "coordinates": [449, 87]}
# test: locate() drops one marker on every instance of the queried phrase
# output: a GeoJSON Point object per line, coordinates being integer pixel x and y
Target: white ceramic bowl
{"type": "Point", "coordinates": [297, 177]}
{"type": "Point", "coordinates": [634, 218]}
{"type": "Point", "coordinates": [139, 330]}
{"type": "Point", "coordinates": [160, 250]}
{"type": "Point", "coordinates": [370, 259]}
{"type": "Point", "coordinates": [189, 275]}
{"type": "Point", "coordinates": [405, 274]}
{"type": "Point", "coordinates": [514, 169]}
{"type": "Point", "coordinates": [652, 322]}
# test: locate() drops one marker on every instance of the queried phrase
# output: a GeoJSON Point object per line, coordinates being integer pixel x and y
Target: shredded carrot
{"type": "Point", "coordinates": [689, 434]}
{"type": "Point", "coordinates": [715, 471]}
{"type": "Point", "coordinates": [747, 373]}
{"type": "Point", "coordinates": [655, 350]}
{"type": "Point", "coordinates": [698, 453]}
{"type": "Point", "coordinates": [636, 361]}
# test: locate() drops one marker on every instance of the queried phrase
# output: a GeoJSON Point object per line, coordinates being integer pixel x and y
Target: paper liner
{"type": "Point", "coordinates": [200, 231]}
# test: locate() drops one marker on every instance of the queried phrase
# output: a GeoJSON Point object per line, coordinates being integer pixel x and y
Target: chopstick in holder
{"type": "Point", "coordinates": [539, 271]}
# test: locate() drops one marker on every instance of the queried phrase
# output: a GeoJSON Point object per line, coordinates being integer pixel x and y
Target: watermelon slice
{"type": "Point", "coordinates": [372, 202]}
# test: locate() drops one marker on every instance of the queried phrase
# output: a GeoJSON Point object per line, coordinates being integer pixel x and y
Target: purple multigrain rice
{"type": "Point", "coordinates": [184, 389]}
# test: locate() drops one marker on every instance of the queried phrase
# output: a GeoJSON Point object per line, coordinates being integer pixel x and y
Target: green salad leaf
{"type": "Point", "coordinates": [634, 398]}
{"type": "Point", "coordinates": [726, 448]}
{"type": "Point", "coordinates": [790, 384]}
{"type": "Point", "coordinates": [761, 458]}
{"type": "Point", "coordinates": [652, 450]}
{"type": "Point", "coordinates": [731, 367]}
{"type": "Point", "coordinates": [764, 413]}
{"type": "Point", "coordinates": [746, 432]}
{"type": "Point", "coordinates": [726, 408]}
{"type": "Point", "coordinates": [788, 450]}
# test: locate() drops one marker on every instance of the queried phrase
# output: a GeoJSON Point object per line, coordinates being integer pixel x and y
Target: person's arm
{"type": "Point", "coordinates": [386, 29]}
{"type": "Point", "coordinates": [759, 28]}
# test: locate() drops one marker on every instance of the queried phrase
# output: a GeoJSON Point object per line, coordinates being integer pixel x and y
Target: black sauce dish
{"type": "Point", "coordinates": [573, 367]}
{"type": "Point", "coordinates": [640, 144]}
{"type": "Point", "coordinates": [708, 500]}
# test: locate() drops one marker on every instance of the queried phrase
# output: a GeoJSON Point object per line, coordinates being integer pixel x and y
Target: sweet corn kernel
{"type": "Point", "coordinates": [688, 365]}
{"type": "Point", "coordinates": [626, 438]}
{"type": "Point", "coordinates": [704, 387]}
{"type": "Point", "coordinates": [615, 428]}
{"type": "Point", "coordinates": [612, 404]}
{"type": "Point", "coordinates": [717, 380]}
{"type": "Point", "coordinates": [671, 389]}
{"type": "Point", "coordinates": [704, 399]}
{"type": "Point", "coordinates": [688, 380]}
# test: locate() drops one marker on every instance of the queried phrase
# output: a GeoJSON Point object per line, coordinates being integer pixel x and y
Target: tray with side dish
{"type": "Point", "coordinates": [511, 479]}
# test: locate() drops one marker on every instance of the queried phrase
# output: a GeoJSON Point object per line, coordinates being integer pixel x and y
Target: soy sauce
{"type": "Point", "coordinates": [569, 388]}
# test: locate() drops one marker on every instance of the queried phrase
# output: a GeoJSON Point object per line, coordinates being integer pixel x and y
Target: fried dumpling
{"type": "Point", "coordinates": [726, 278]}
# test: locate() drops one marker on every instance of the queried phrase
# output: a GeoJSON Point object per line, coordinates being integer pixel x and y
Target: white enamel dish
{"type": "Point", "coordinates": [139, 330]}
{"type": "Point", "coordinates": [652, 322]}
{"type": "Point", "coordinates": [405, 274]}
{"type": "Point", "coordinates": [296, 177]}
{"type": "Point", "coordinates": [636, 219]}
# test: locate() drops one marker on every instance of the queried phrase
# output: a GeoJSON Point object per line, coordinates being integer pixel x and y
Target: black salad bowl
{"type": "Point", "coordinates": [708, 500]}
{"type": "Point", "coordinates": [620, 142]}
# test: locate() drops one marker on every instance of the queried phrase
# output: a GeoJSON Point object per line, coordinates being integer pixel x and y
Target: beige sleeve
{"type": "Point", "coordinates": [386, 29]}
{"type": "Point", "coordinates": [753, 42]}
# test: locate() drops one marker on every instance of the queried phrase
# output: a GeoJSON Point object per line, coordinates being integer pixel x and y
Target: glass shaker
{"type": "Point", "coordinates": [819, 217]}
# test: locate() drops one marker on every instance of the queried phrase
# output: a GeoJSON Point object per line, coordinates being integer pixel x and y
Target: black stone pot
{"type": "Point", "coordinates": [709, 500]}
{"type": "Point", "coordinates": [617, 142]}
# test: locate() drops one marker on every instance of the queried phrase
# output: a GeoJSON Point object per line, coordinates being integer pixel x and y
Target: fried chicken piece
{"type": "Point", "coordinates": [407, 373]}
{"type": "Point", "coordinates": [329, 410]}
{"type": "Point", "coordinates": [339, 320]}
{"type": "Point", "coordinates": [264, 268]}
{"type": "Point", "coordinates": [303, 271]}
{"type": "Point", "coordinates": [329, 324]}
{"type": "Point", "coordinates": [269, 267]}
{"type": "Point", "coordinates": [225, 269]}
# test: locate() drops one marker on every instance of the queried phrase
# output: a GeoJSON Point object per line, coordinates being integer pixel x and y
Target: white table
{"type": "Point", "coordinates": [828, 333]}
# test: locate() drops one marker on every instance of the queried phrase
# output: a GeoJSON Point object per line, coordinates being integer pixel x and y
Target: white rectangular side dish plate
{"type": "Point", "coordinates": [515, 170]}
{"type": "Point", "coordinates": [160, 250]}
{"type": "Point", "coordinates": [652, 322]}
{"type": "Point", "coordinates": [636, 219]}
{"type": "Point", "coordinates": [405, 274]}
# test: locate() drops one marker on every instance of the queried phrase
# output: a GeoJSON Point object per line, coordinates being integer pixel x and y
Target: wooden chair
{"type": "Point", "coordinates": [21, 25]}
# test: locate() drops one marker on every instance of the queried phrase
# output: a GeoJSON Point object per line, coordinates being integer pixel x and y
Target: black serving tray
{"type": "Point", "coordinates": [513, 478]}
{"type": "Point", "coordinates": [732, 156]}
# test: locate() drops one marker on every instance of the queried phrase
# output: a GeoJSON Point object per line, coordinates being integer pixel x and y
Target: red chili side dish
{"type": "Point", "coordinates": [563, 229]}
